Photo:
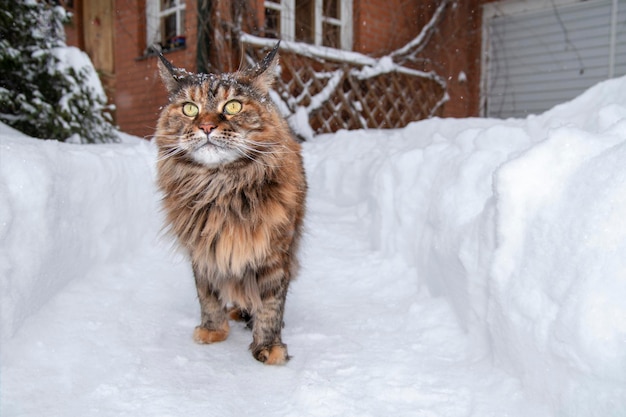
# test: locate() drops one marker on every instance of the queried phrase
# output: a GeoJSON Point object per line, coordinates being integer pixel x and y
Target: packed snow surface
{"type": "Point", "coordinates": [469, 267]}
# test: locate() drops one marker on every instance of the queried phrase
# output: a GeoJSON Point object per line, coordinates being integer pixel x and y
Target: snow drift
{"type": "Point", "coordinates": [519, 225]}
{"type": "Point", "coordinates": [65, 210]}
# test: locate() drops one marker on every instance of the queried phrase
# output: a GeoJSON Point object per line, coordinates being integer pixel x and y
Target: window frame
{"type": "Point", "coordinates": [155, 17]}
{"type": "Point", "coordinates": [287, 9]}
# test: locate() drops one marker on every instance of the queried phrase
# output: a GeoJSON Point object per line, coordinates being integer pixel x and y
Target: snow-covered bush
{"type": "Point", "coordinates": [47, 89]}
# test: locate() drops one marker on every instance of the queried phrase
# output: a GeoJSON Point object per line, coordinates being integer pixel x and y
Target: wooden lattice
{"type": "Point", "coordinates": [337, 96]}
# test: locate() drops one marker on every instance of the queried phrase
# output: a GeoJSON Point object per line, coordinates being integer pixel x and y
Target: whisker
{"type": "Point", "coordinates": [169, 152]}
{"type": "Point", "coordinates": [261, 144]}
{"type": "Point", "coordinates": [242, 152]}
{"type": "Point", "coordinates": [254, 147]}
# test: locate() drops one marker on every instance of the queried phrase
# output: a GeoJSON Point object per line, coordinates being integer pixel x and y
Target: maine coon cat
{"type": "Point", "coordinates": [234, 192]}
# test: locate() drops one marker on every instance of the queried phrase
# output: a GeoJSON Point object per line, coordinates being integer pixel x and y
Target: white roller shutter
{"type": "Point", "coordinates": [620, 45]}
{"type": "Point", "coordinates": [538, 56]}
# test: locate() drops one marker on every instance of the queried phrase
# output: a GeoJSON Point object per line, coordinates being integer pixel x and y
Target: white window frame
{"type": "Point", "coordinates": [287, 9]}
{"type": "Point", "coordinates": [154, 16]}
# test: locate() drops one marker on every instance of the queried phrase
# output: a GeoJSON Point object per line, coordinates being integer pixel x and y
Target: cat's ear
{"type": "Point", "coordinates": [264, 73]}
{"type": "Point", "coordinates": [170, 75]}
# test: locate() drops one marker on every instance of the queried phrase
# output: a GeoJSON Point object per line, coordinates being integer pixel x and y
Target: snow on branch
{"type": "Point", "coordinates": [311, 51]}
{"type": "Point", "coordinates": [371, 67]}
{"type": "Point", "coordinates": [417, 44]}
{"type": "Point", "coordinates": [320, 98]}
{"type": "Point", "coordinates": [386, 65]}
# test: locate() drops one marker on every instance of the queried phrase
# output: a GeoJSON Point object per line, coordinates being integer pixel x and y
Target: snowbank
{"type": "Point", "coordinates": [519, 225]}
{"type": "Point", "coordinates": [66, 210]}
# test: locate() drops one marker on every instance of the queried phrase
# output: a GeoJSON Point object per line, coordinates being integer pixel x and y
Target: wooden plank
{"type": "Point", "coordinates": [98, 34]}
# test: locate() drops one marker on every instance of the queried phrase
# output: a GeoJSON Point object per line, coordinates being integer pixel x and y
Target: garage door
{"type": "Point", "coordinates": [537, 54]}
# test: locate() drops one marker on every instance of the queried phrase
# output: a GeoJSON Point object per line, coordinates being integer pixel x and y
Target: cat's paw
{"type": "Point", "coordinates": [272, 355]}
{"type": "Point", "coordinates": [205, 336]}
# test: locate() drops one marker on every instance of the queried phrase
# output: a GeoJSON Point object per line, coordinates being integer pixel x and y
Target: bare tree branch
{"type": "Point", "coordinates": [417, 44]}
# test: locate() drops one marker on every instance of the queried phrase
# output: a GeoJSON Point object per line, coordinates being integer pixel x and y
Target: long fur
{"type": "Point", "coordinates": [240, 220]}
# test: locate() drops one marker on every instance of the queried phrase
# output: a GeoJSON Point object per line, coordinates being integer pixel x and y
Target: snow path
{"type": "Point", "coordinates": [467, 268]}
{"type": "Point", "coordinates": [365, 340]}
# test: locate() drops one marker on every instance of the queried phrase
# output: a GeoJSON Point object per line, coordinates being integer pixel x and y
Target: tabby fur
{"type": "Point", "coordinates": [234, 193]}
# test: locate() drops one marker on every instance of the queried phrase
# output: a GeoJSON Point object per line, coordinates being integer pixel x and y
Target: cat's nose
{"type": "Point", "coordinates": [207, 127]}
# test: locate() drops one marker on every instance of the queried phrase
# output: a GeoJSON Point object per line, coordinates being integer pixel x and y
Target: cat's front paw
{"type": "Point", "coordinates": [272, 355]}
{"type": "Point", "coordinates": [205, 336]}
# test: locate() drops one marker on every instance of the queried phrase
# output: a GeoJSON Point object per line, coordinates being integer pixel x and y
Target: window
{"type": "Point", "coordinates": [272, 19]}
{"type": "Point", "coordinates": [165, 23]}
{"type": "Point", "coordinates": [318, 22]}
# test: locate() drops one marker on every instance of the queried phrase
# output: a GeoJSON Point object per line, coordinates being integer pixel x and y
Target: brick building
{"type": "Point", "coordinates": [117, 34]}
{"type": "Point", "coordinates": [484, 57]}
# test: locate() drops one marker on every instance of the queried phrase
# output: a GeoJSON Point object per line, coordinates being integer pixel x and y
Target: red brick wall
{"type": "Point", "coordinates": [137, 91]}
{"type": "Point", "coordinates": [380, 26]}
{"type": "Point", "coordinates": [456, 50]}
{"type": "Point", "coordinates": [73, 30]}
{"type": "Point", "coordinates": [139, 94]}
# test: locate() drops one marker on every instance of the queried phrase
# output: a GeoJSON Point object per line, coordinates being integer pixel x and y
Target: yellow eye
{"type": "Point", "coordinates": [190, 109]}
{"type": "Point", "coordinates": [232, 107]}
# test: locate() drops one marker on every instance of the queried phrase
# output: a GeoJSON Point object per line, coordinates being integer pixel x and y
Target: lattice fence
{"type": "Point", "coordinates": [352, 91]}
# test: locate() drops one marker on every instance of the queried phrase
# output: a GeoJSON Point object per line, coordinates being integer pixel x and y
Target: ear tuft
{"type": "Point", "coordinates": [264, 72]}
{"type": "Point", "coordinates": [170, 75]}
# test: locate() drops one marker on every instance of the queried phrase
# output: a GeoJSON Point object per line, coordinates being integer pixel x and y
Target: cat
{"type": "Point", "coordinates": [234, 189]}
